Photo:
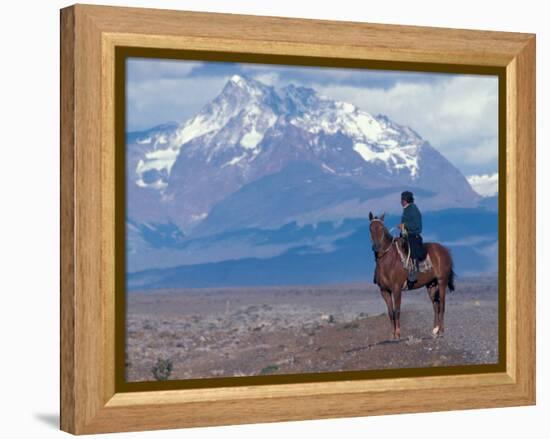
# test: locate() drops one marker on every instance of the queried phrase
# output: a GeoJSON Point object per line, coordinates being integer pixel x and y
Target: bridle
{"type": "Point", "coordinates": [384, 252]}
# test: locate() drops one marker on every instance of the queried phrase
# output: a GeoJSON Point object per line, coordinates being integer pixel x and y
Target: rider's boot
{"type": "Point", "coordinates": [413, 274]}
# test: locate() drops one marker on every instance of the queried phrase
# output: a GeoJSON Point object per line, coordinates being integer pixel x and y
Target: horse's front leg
{"type": "Point", "coordinates": [396, 293]}
{"type": "Point", "coordinates": [386, 295]}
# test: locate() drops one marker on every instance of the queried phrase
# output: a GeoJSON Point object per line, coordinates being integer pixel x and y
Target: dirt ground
{"type": "Point", "coordinates": [257, 331]}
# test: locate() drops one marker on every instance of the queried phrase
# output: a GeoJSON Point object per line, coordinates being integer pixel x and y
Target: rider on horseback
{"type": "Point", "coordinates": [411, 228]}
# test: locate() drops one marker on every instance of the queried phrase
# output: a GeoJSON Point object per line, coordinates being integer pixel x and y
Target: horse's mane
{"type": "Point", "coordinates": [387, 234]}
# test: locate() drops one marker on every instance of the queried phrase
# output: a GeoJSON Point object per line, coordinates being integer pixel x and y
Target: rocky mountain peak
{"type": "Point", "coordinates": [251, 130]}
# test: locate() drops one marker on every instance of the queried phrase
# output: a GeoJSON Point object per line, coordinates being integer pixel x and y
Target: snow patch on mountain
{"type": "Point", "coordinates": [328, 168]}
{"type": "Point", "coordinates": [158, 159]}
{"type": "Point", "coordinates": [199, 217]}
{"type": "Point", "coordinates": [394, 157]}
{"type": "Point", "coordinates": [332, 116]}
{"type": "Point", "coordinates": [251, 139]}
{"type": "Point", "coordinates": [234, 160]}
{"type": "Point", "coordinates": [200, 125]}
{"type": "Point", "coordinates": [256, 124]}
{"type": "Point", "coordinates": [158, 184]}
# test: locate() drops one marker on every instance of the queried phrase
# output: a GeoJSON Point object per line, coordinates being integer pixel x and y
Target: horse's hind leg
{"type": "Point", "coordinates": [389, 303]}
{"type": "Point", "coordinates": [433, 293]}
{"type": "Point", "coordinates": [442, 290]}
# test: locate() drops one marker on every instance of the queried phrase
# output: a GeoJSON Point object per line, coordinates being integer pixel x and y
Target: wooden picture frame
{"type": "Point", "coordinates": [90, 36]}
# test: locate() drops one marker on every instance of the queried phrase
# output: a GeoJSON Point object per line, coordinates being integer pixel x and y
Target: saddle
{"type": "Point", "coordinates": [405, 254]}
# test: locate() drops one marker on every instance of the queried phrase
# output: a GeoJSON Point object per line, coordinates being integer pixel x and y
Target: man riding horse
{"type": "Point", "coordinates": [391, 274]}
{"type": "Point", "coordinates": [411, 229]}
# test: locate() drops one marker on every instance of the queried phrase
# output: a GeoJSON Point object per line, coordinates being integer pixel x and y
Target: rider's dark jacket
{"type": "Point", "coordinates": [412, 219]}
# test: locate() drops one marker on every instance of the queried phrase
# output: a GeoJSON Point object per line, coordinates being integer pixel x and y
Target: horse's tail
{"type": "Point", "coordinates": [452, 274]}
{"type": "Point", "coordinates": [451, 280]}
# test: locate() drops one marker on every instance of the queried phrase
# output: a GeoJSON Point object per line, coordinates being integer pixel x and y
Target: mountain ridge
{"type": "Point", "coordinates": [331, 253]}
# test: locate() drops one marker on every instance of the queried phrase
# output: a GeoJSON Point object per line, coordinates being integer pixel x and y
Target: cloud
{"type": "Point", "coordinates": [215, 68]}
{"type": "Point", "coordinates": [147, 69]}
{"type": "Point", "coordinates": [457, 114]}
{"type": "Point", "coordinates": [159, 91]}
{"type": "Point", "coordinates": [151, 103]}
{"type": "Point", "coordinates": [485, 185]}
{"type": "Point", "coordinates": [311, 76]}
{"type": "Point", "coordinates": [269, 78]}
{"type": "Point", "coordinates": [484, 151]}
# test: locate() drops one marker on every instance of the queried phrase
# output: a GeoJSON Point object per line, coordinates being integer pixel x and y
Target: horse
{"type": "Point", "coordinates": [391, 275]}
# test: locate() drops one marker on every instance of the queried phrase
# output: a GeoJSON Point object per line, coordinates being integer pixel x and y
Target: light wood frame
{"type": "Point", "coordinates": [89, 35]}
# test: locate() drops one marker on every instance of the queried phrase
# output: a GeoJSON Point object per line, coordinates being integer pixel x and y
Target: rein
{"type": "Point", "coordinates": [385, 252]}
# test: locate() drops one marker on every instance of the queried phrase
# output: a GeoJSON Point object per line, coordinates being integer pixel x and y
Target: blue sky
{"type": "Point", "coordinates": [457, 114]}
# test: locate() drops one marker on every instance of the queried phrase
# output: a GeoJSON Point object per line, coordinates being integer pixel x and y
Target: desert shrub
{"type": "Point", "coordinates": [269, 369]}
{"type": "Point", "coordinates": [162, 369]}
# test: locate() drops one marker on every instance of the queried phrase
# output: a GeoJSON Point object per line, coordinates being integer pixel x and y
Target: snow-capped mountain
{"type": "Point", "coordinates": [257, 107]}
{"type": "Point", "coordinates": [251, 131]}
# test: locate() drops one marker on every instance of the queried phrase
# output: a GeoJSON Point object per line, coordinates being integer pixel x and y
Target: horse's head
{"type": "Point", "coordinates": [378, 231]}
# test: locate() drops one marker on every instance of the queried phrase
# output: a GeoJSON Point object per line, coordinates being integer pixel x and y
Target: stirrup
{"type": "Point", "coordinates": [412, 275]}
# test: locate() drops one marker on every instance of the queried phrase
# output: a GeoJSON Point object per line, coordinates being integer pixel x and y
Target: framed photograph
{"type": "Point", "coordinates": [269, 218]}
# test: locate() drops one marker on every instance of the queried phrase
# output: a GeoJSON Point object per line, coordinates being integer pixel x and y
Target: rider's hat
{"type": "Point", "coordinates": [407, 196]}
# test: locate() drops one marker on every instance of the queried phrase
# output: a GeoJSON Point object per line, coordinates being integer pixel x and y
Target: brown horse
{"type": "Point", "coordinates": [391, 276]}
